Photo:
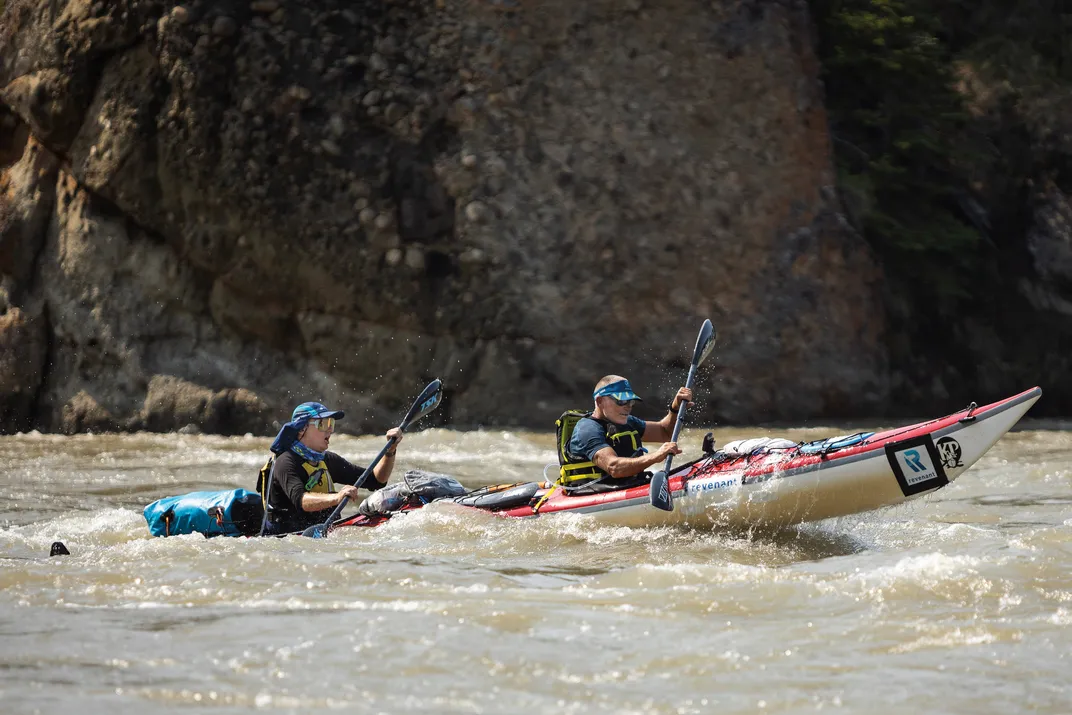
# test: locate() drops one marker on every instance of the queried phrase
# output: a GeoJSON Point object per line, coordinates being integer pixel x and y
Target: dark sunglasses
{"type": "Point", "coordinates": [623, 403]}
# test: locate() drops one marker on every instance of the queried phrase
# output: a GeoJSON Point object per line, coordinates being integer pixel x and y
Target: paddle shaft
{"type": "Point", "coordinates": [659, 491]}
{"type": "Point", "coordinates": [428, 401]}
{"type": "Point", "coordinates": [680, 416]}
{"type": "Point", "coordinates": [358, 484]}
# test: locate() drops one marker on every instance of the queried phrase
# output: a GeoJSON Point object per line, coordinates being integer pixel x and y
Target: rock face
{"type": "Point", "coordinates": [1050, 244]}
{"type": "Point", "coordinates": [215, 210]}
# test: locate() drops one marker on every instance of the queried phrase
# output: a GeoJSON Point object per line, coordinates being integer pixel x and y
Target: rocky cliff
{"type": "Point", "coordinates": [210, 211]}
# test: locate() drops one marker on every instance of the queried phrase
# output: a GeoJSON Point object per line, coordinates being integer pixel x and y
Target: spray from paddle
{"type": "Point", "coordinates": [428, 401]}
{"type": "Point", "coordinates": [659, 491]}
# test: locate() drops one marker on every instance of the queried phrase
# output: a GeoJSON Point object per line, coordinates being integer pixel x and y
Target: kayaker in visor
{"type": "Point", "coordinates": [606, 450]}
{"type": "Point", "coordinates": [303, 473]}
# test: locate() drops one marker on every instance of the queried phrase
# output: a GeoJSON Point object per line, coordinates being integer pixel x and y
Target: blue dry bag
{"type": "Point", "coordinates": [237, 512]}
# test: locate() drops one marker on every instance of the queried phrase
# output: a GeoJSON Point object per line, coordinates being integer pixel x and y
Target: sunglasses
{"type": "Point", "coordinates": [324, 424]}
{"type": "Point", "coordinates": [623, 403]}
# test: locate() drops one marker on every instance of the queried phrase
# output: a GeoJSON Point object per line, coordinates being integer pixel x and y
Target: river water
{"type": "Point", "coordinates": [958, 603]}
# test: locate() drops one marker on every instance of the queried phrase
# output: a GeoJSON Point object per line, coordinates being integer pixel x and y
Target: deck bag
{"type": "Point", "coordinates": [417, 487]}
{"type": "Point", "coordinates": [499, 499]}
{"type": "Point", "coordinates": [756, 445]}
{"type": "Point", "coordinates": [237, 512]}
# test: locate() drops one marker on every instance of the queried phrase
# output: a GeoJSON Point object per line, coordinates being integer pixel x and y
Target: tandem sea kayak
{"type": "Point", "coordinates": [776, 482]}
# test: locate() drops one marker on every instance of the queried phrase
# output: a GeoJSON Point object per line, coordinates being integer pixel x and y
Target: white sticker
{"type": "Point", "coordinates": [698, 486]}
{"type": "Point", "coordinates": [916, 465]}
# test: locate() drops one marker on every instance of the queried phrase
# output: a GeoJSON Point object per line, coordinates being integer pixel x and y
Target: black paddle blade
{"type": "Point", "coordinates": [705, 343]}
{"type": "Point", "coordinates": [58, 549]}
{"type": "Point", "coordinates": [660, 492]}
{"type": "Point", "coordinates": [428, 400]}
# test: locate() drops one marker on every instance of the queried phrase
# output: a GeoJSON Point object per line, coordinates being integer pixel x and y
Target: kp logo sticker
{"type": "Point", "coordinates": [949, 452]}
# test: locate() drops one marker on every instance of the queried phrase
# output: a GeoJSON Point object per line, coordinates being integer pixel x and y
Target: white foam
{"type": "Point", "coordinates": [926, 568]}
{"type": "Point", "coordinates": [1063, 617]}
{"type": "Point", "coordinates": [952, 639]}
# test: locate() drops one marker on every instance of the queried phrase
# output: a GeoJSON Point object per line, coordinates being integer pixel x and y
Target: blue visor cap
{"type": "Point", "coordinates": [314, 410]}
{"type": "Point", "coordinates": [304, 412]}
{"type": "Point", "coordinates": [620, 390]}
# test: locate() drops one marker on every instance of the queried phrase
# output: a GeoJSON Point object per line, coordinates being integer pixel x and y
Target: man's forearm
{"type": "Point", "coordinates": [620, 467]}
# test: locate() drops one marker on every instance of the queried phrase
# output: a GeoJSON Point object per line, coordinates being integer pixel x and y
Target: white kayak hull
{"type": "Point", "coordinates": [784, 487]}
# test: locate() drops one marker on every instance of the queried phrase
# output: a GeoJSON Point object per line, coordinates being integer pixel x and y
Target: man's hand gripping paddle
{"type": "Point", "coordinates": [660, 486]}
{"type": "Point", "coordinates": [427, 402]}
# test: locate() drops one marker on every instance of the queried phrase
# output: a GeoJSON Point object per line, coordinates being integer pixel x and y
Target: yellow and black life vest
{"type": "Point", "coordinates": [575, 471]}
{"type": "Point", "coordinates": [318, 479]}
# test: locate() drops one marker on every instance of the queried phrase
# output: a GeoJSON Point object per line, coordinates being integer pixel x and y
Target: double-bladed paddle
{"type": "Point", "coordinates": [428, 401]}
{"type": "Point", "coordinates": [660, 486]}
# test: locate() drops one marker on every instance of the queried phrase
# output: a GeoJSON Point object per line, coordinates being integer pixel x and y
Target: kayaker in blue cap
{"type": "Point", "coordinates": [606, 451]}
{"type": "Point", "coordinates": [303, 473]}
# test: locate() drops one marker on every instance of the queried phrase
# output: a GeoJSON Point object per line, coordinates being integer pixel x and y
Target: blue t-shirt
{"type": "Point", "coordinates": [589, 436]}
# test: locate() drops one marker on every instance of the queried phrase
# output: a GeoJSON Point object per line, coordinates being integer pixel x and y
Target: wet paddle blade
{"type": "Point", "coordinates": [705, 343]}
{"type": "Point", "coordinates": [428, 400]}
{"type": "Point", "coordinates": [660, 492]}
{"type": "Point", "coordinates": [316, 531]}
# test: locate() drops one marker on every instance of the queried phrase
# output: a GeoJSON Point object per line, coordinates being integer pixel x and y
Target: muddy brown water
{"type": "Point", "coordinates": [958, 603]}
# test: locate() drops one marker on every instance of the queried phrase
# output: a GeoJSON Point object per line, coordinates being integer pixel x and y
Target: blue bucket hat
{"type": "Point", "coordinates": [300, 417]}
{"type": "Point", "coordinates": [620, 390]}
